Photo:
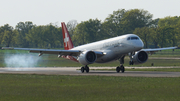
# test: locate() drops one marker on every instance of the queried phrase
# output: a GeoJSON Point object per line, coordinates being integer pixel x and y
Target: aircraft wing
{"type": "Point", "coordinates": [151, 51]}
{"type": "Point", "coordinates": [53, 51]}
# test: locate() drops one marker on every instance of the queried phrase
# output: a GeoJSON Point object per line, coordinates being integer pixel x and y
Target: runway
{"type": "Point", "coordinates": [75, 71]}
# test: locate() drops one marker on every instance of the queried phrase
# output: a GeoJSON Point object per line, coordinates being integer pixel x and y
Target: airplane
{"type": "Point", "coordinates": [101, 51]}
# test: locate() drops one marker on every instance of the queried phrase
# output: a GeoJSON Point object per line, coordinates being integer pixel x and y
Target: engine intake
{"type": "Point", "coordinates": [140, 57]}
{"type": "Point", "coordinates": [87, 57]}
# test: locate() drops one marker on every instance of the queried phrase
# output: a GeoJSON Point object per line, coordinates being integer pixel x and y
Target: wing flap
{"type": "Point", "coordinates": [58, 52]}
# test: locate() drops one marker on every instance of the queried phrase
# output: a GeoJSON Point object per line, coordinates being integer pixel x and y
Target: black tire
{"type": "Point", "coordinates": [82, 69]}
{"type": "Point", "coordinates": [122, 68]}
{"type": "Point", "coordinates": [118, 69]}
{"type": "Point", "coordinates": [132, 63]}
{"type": "Point", "coordinates": [87, 69]}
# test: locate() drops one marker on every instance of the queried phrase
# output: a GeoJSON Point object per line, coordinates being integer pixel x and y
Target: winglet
{"type": "Point", "coordinates": [66, 38]}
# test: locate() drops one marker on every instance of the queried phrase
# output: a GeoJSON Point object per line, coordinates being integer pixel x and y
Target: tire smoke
{"type": "Point", "coordinates": [21, 60]}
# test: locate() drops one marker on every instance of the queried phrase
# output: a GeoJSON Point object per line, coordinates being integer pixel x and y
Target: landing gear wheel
{"type": "Point", "coordinates": [122, 68]}
{"type": "Point", "coordinates": [131, 63]}
{"type": "Point", "coordinates": [82, 69]}
{"type": "Point", "coordinates": [118, 69]}
{"type": "Point", "coordinates": [87, 69]}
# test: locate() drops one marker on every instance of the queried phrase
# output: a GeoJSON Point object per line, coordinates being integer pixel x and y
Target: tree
{"type": "Point", "coordinates": [92, 28]}
{"type": "Point", "coordinates": [79, 36]}
{"type": "Point", "coordinates": [144, 34]}
{"type": "Point", "coordinates": [59, 38]}
{"type": "Point", "coordinates": [23, 29]}
{"type": "Point", "coordinates": [7, 38]}
{"type": "Point", "coordinates": [135, 18]}
{"type": "Point", "coordinates": [177, 29]}
{"type": "Point", "coordinates": [35, 37]}
{"type": "Point", "coordinates": [170, 26]}
{"type": "Point", "coordinates": [154, 23]}
{"type": "Point", "coordinates": [172, 35]}
{"type": "Point", "coordinates": [164, 35]}
{"type": "Point", "coordinates": [87, 31]}
{"type": "Point", "coordinates": [15, 39]}
{"type": "Point", "coordinates": [112, 25]}
{"type": "Point", "coordinates": [48, 36]}
{"type": "Point", "coordinates": [6, 35]}
{"type": "Point", "coordinates": [71, 25]}
{"type": "Point", "coordinates": [154, 37]}
{"type": "Point", "coordinates": [169, 21]}
{"type": "Point", "coordinates": [126, 21]}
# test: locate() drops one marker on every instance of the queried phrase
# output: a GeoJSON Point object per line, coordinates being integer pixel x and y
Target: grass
{"type": "Point", "coordinates": [89, 88]}
{"type": "Point", "coordinates": [18, 87]}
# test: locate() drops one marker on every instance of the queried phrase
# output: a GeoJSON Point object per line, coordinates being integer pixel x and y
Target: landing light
{"type": "Point", "coordinates": [40, 53]}
{"type": "Point", "coordinates": [59, 56]}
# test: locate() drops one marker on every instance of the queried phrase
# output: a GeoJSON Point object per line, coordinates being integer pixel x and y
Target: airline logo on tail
{"type": "Point", "coordinates": [67, 39]}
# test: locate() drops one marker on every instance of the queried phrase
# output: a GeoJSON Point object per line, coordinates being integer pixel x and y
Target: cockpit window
{"type": "Point", "coordinates": [132, 38]}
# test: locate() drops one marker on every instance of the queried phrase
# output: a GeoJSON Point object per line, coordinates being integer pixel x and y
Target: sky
{"type": "Point", "coordinates": [43, 12]}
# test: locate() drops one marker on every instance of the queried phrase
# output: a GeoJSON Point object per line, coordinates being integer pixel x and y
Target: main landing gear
{"type": "Point", "coordinates": [131, 63]}
{"type": "Point", "coordinates": [121, 67]}
{"type": "Point", "coordinates": [130, 56]}
{"type": "Point", "coordinates": [118, 68]}
{"type": "Point", "coordinates": [86, 68]}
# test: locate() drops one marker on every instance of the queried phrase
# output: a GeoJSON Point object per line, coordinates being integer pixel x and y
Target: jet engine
{"type": "Point", "coordinates": [140, 57]}
{"type": "Point", "coordinates": [87, 57]}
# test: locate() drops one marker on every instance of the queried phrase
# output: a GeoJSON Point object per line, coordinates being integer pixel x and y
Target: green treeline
{"type": "Point", "coordinates": [162, 32]}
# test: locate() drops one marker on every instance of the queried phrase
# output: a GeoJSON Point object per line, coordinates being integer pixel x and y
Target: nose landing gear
{"type": "Point", "coordinates": [121, 67]}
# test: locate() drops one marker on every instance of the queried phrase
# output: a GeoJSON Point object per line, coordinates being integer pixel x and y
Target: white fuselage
{"type": "Point", "coordinates": [114, 48]}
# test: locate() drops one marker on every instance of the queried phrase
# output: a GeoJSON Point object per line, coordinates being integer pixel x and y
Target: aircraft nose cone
{"type": "Point", "coordinates": [139, 45]}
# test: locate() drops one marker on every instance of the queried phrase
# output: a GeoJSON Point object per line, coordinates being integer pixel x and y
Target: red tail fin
{"type": "Point", "coordinates": [66, 37]}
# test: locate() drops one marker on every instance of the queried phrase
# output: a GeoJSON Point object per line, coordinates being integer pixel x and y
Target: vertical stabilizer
{"type": "Point", "coordinates": [66, 37]}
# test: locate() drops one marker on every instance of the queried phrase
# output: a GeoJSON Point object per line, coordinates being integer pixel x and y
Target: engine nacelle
{"type": "Point", "coordinates": [140, 57]}
{"type": "Point", "coordinates": [87, 57]}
